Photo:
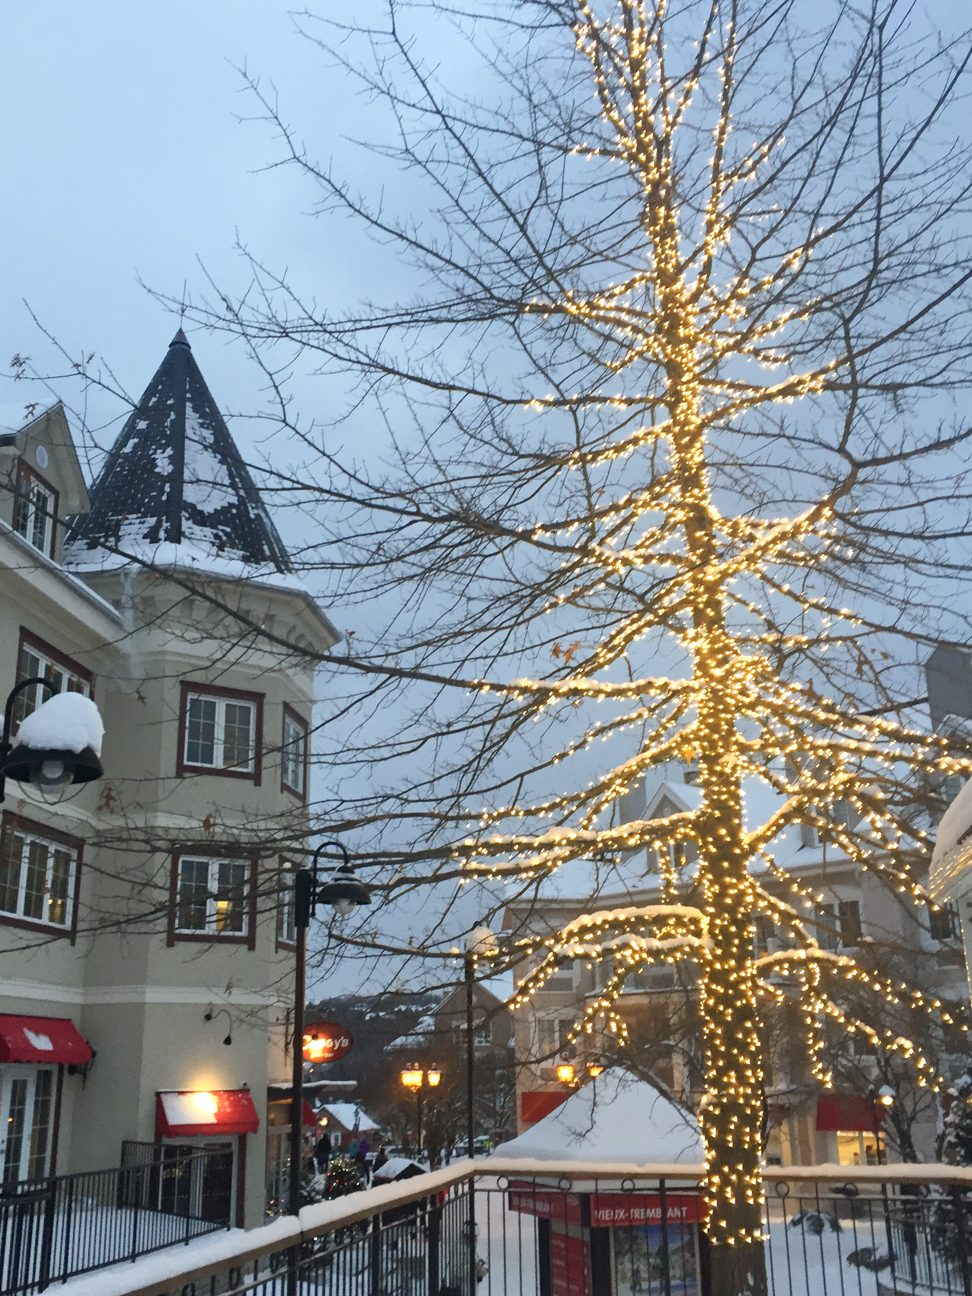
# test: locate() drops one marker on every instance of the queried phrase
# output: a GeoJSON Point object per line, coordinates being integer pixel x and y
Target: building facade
{"type": "Point", "coordinates": [805, 1124]}
{"type": "Point", "coordinates": [144, 917]}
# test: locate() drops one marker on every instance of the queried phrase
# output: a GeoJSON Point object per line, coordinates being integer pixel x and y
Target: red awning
{"type": "Point", "coordinates": [41, 1039]}
{"type": "Point", "coordinates": [309, 1117]}
{"type": "Point", "coordinates": [187, 1113]}
{"type": "Point", "coordinates": [847, 1112]}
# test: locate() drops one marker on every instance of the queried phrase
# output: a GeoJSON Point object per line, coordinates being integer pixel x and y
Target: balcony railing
{"type": "Point", "coordinates": [55, 1228]}
{"type": "Point", "coordinates": [518, 1228]}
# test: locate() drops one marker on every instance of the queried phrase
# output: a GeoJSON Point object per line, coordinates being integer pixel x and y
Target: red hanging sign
{"type": "Point", "coordinates": [326, 1042]}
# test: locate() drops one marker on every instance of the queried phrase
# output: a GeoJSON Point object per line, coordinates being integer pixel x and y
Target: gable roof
{"type": "Point", "coordinates": [175, 477]}
{"type": "Point", "coordinates": [50, 426]}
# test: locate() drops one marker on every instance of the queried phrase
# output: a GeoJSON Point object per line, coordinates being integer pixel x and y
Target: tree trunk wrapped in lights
{"type": "Point", "coordinates": [697, 269]}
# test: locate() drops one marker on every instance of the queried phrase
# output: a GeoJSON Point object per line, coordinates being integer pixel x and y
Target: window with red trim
{"type": "Point", "coordinates": [213, 897]}
{"type": "Point", "coordinates": [35, 509]}
{"type": "Point", "coordinates": [37, 658]}
{"type": "Point", "coordinates": [220, 731]}
{"type": "Point", "coordinates": [38, 874]}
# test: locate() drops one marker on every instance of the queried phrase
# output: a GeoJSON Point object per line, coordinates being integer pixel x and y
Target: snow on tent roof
{"type": "Point", "coordinates": [174, 477]}
{"type": "Point", "coordinates": [350, 1116]}
{"type": "Point", "coordinates": [952, 856]}
{"type": "Point", "coordinates": [614, 1119]}
{"type": "Point", "coordinates": [65, 722]}
{"type": "Point", "coordinates": [397, 1168]}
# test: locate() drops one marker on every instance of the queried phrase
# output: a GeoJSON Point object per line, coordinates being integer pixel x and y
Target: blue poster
{"type": "Point", "coordinates": [639, 1261]}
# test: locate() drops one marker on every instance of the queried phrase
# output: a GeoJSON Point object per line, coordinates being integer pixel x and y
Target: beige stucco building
{"type": "Point", "coordinates": [146, 913]}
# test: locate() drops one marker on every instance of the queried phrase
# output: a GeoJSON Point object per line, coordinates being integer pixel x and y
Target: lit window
{"type": "Point", "coordinates": [220, 733]}
{"type": "Point", "coordinates": [35, 511]}
{"type": "Point", "coordinates": [293, 763]}
{"type": "Point", "coordinates": [213, 896]}
{"type": "Point", "coordinates": [37, 877]}
{"type": "Point", "coordinates": [64, 677]}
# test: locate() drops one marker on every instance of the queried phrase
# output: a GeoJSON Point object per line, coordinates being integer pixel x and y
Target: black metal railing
{"type": "Point", "coordinates": [53, 1229]}
{"type": "Point", "coordinates": [569, 1230]}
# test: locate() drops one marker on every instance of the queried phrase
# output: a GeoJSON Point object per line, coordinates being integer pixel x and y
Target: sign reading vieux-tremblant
{"type": "Point", "coordinates": [326, 1042]}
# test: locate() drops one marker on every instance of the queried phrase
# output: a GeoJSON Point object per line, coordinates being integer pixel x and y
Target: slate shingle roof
{"type": "Point", "coordinates": [175, 476]}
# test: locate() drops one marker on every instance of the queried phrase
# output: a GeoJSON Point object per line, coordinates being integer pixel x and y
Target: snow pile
{"type": "Point", "coordinates": [616, 1118]}
{"type": "Point", "coordinates": [953, 845]}
{"type": "Point", "coordinates": [65, 722]}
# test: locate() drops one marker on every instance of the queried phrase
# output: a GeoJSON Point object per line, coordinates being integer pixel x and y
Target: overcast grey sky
{"type": "Point", "coordinates": [123, 158]}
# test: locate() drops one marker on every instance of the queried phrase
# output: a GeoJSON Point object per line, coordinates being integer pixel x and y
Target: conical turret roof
{"type": "Point", "coordinates": [175, 477]}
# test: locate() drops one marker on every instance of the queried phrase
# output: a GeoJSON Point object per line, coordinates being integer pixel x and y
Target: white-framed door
{"type": "Point", "coordinates": [26, 1121]}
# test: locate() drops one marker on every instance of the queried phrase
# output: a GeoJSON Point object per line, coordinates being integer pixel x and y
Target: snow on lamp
{"type": "Point", "coordinates": [57, 744]}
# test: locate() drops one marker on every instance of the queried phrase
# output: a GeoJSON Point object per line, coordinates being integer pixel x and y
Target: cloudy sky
{"type": "Point", "coordinates": [125, 163]}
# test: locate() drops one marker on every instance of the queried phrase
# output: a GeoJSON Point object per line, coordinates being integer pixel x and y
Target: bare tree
{"type": "Point", "coordinates": [675, 381]}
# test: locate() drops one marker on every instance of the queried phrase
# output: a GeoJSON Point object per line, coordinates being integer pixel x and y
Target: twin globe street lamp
{"type": "Point", "coordinates": [414, 1079]}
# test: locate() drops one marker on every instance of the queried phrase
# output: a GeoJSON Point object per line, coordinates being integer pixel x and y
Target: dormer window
{"type": "Point", "coordinates": [35, 510]}
{"type": "Point", "coordinates": [220, 731]}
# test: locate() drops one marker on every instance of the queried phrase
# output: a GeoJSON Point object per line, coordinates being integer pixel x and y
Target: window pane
{"type": "Point", "coordinates": [41, 1128]}
{"type": "Point", "coordinates": [237, 736]}
{"type": "Point", "coordinates": [22, 510]}
{"type": "Point", "coordinates": [285, 907]}
{"type": "Point", "coordinates": [293, 756]}
{"type": "Point", "coordinates": [231, 896]}
{"type": "Point", "coordinates": [43, 506]}
{"type": "Point", "coordinates": [60, 887]}
{"type": "Point", "coordinates": [201, 731]}
{"type": "Point", "coordinates": [16, 1117]}
{"type": "Point", "coordinates": [35, 889]}
{"type": "Point", "coordinates": [11, 863]}
{"type": "Point", "coordinates": [193, 894]}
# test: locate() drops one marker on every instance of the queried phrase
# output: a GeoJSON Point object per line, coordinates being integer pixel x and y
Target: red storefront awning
{"type": "Point", "coordinates": [41, 1039]}
{"type": "Point", "coordinates": [187, 1113]}
{"type": "Point", "coordinates": [851, 1113]}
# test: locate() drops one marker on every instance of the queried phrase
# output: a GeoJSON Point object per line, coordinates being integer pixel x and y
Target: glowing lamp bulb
{"type": "Point", "coordinates": [565, 1073]}
{"type": "Point", "coordinates": [433, 1076]}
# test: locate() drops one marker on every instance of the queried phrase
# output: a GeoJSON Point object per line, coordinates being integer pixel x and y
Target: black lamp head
{"type": "Point", "coordinates": [344, 890]}
{"type": "Point", "coordinates": [51, 767]}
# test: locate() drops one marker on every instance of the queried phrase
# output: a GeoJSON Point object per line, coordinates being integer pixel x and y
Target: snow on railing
{"type": "Point", "coordinates": [223, 1260]}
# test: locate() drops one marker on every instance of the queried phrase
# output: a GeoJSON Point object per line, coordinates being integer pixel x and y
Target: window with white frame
{"type": "Point", "coordinates": [212, 896]}
{"type": "Point", "coordinates": [219, 732]}
{"type": "Point", "coordinates": [63, 675]}
{"type": "Point", "coordinates": [293, 763]}
{"type": "Point", "coordinates": [35, 511]}
{"type": "Point", "coordinates": [286, 931]}
{"type": "Point", "coordinates": [37, 876]}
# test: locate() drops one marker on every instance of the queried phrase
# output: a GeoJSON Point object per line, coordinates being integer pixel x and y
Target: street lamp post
{"type": "Point", "coordinates": [480, 941]}
{"type": "Point", "coordinates": [344, 890]}
{"type": "Point", "coordinates": [415, 1079]}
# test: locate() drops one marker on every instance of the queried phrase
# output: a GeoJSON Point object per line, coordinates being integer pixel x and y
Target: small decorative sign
{"type": "Point", "coordinates": [326, 1042]}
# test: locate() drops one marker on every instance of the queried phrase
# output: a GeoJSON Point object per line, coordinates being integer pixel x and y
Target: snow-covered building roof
{"type": "Point", "coordinates": [350, 1116]}
{"type": "Point", "coordinates": [614, 1119]}
{"type": "Point", "coordinates": [420, 1036]}
{"type": "Point", "coordinates": [174, 477]}
{"type": "Point", "coordinates": [951, 866]}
